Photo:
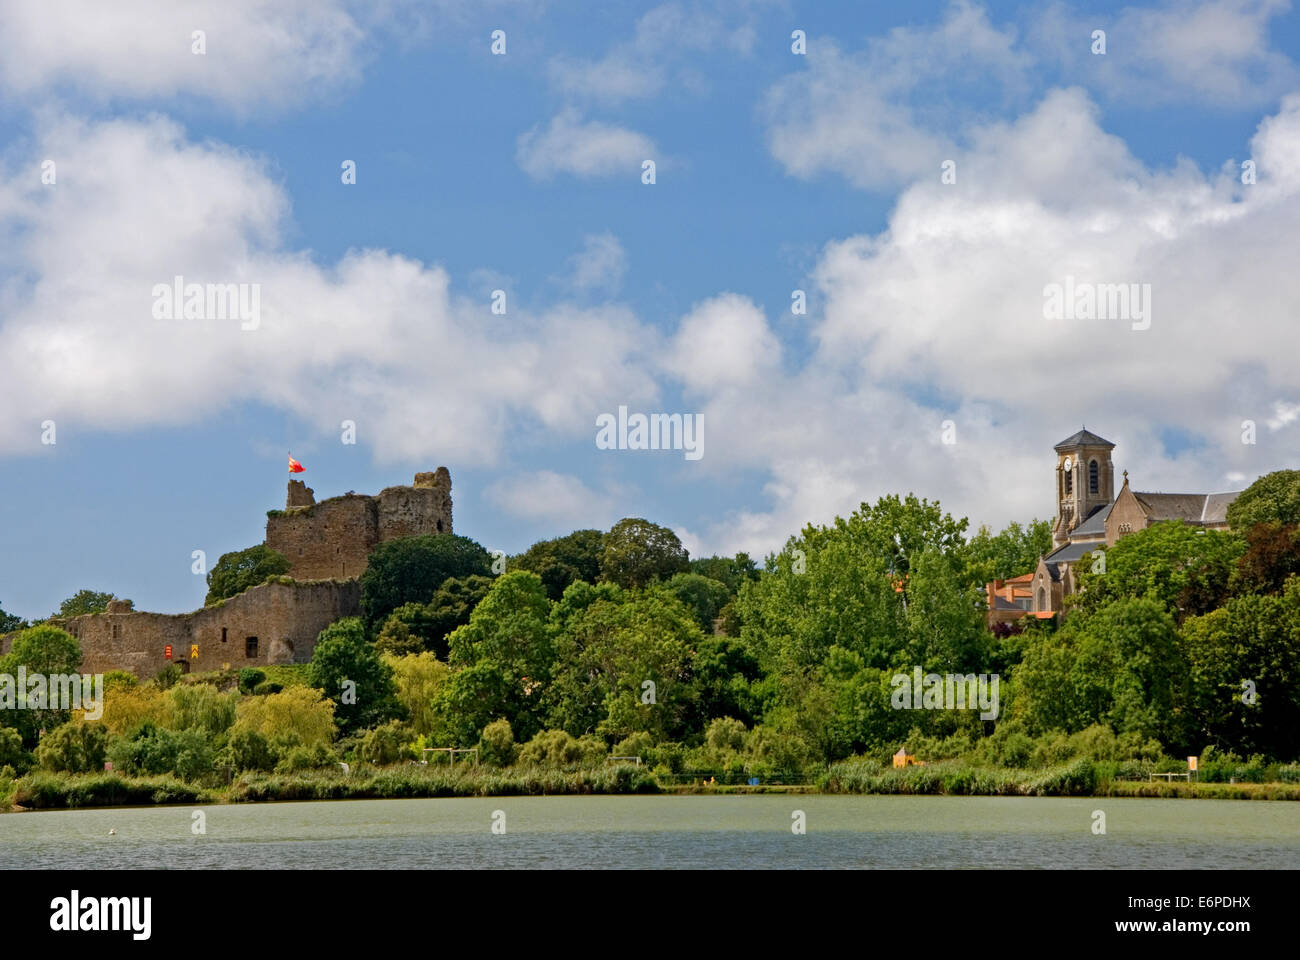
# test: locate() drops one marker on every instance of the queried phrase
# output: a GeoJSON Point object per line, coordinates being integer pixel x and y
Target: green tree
{"type": "Point", "coordinates": [9, 623]}
{"type": "Point", "coordinates": [723, 671]}
{"type": "Point", "coordinates": [1244, 675]}
{"type": "Point", "coordinates": [564, 560]}
{"type": "Point", "coordinates": [411, 569]}
{"type": "Point", "coordinates": [74, 747]}
{"type": "Point", "coordinates": [703, 596]}
{"type": "Point", "coordinates": [44, 650]}
{"type": "Point", "coordinates": [414, 627]}
{"type": "Point", "coordinates": [637, 551]}
{"type": "Point", "coordinates": [1184, 568]}
{"type": "Point", "coordinates": [87, 601]}
{"type": "Point", "coordinates": [497, 745]}
{"type": "Point", "coordinates": [1012, 552]}
{"type": "Point", "coordinates": [1274, 497]}
{"type": "Point", "coordinates": [350, 672]}
{"type": "Point", "coordinates": [733, 571]}
{"type": "Point", "coordinates": [236, 572]}
{"type": "Point", "coordinates": [508, 643]}
{"type": "Point", "coordinates": [1272, 555]}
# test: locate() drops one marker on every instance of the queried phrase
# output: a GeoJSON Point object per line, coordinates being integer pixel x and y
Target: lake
{"type": "Point", "coordinates": [735, 832]}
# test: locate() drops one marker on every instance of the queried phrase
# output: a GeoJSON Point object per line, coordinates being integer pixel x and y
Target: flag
{"type": "Point", "coordinates": [295, 466]}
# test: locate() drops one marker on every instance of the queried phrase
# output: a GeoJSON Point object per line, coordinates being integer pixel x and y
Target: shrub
{"type": "Point", "coordinates": [497, 744]}
{"type": "Point", "coordinates": [387, 744]}
{"type": "Point", "coordinates": [249, 750]}
{"type": "Point", "coordinates": [74, 748]}
{"type": "Point", "coordinates": [250, 677]}
{"type": "Point", "coordinates": [725, 734]}
{"type": "Point", "coordinates": [167, 677]}
{"type": "Point", "coordinates": [268, 687]}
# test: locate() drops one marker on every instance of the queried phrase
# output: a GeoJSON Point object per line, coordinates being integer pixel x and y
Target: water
{"type": "Point", "coordinates": [736, 832]}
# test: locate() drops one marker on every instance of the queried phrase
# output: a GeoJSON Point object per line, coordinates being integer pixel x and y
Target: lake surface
{"type": "Point", "coordinates": [735, 832]}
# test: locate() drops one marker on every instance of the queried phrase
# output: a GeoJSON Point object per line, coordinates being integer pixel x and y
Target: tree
{"type": "Point", "coordinates": [9, 623]}
{"type": "Point", "coordinates": [564, 560]}
{"type": "Point", "coordinates": [1272, 555]}
{"type": "Point", "coordinates": [1274, 497]}
{"type": "Point", "coordinates": [1244, 669]}
{"type": "Point", "coordinates": [351, 673]}
{"type": "Point", "coordinates": [1184, 568]}
{"type": "Point", "coordinates": [723, 671]}
{"type": "Point", "coordinates": [44, 650]}
{"type": "Point", "coordinates": [414, 627]}
{"type": "Point", "coordinates": [87, 601]}
{"type": "Point", "coordinates": [74, 747]}
{"type": "Point", "coordinates": [703, 596]}
{"type": "Point", "coordinates": [503, 659]}
{"type": "Point", "coordinates": [418, 678]}
{"type": "Point", "coordinates": [637, 551]}
{"type": "Point", "coordinates": [236, 572]}
{"type": "Point", "coordinates": [1010, 553]}
{"type": "Point", "coordinates": [298, 714]}
{"type": "Point", "coordinates": [411, 569]}
{"type": "Point", "coordinates": [733, 571]}
{"type": "Point", "coordinates": [621, 662]}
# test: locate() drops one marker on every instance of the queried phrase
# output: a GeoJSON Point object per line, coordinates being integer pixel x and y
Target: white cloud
{"type": "Point", "coordinates": [600, 265]}
{"type": "Point", "coordinates": [376, 337]}
{"type": "Point", "coordinates": [723, 342]}
{"type": "Point", "coordinates": [1216, 51]}
{"type": "Point", "coordinates": [940, 316]}
{"type": "Point", "coordinates": [1283, 414]}
{"type": "Point", "coordinates": [555, 498]}
{"type": "Point", "coordinates": [258, 51]}
{"type": "Point", "coordinates": [857, 115]}
{"type": "Point", "coordinates": [583, 148]}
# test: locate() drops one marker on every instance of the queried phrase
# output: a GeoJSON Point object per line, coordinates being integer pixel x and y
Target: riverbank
{"type": "Point", "coordinates": [1080, 778]}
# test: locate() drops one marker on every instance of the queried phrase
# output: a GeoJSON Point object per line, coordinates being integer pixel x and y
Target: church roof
{"type": "Point", "coordinates": [1095, 525]}
{"type": "Point", "coordinates": [1190, 507]}
{"type": "Point", "coordinates": [1084, 438]}
{"type": "Point", "coordinates": [1069, 553]}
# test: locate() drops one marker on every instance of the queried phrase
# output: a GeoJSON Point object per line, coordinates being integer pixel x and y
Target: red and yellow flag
{"type": "Point", "coordinates": [295, 466]}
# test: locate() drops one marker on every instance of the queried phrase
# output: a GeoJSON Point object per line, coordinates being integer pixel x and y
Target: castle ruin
{"type": "Point", "coordinates": [327, 544]}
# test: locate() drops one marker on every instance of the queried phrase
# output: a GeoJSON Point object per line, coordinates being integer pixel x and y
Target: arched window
{"type": "Point", "coordinates": [1092, 477]}
{"type": "Point", "coordinates": [1069, 481]}
{"type": "Point", "coordinates": [1042, 600]}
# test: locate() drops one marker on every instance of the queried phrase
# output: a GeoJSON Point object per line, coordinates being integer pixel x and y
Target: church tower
{"type": "Point", "coordinates": [1085, 481]}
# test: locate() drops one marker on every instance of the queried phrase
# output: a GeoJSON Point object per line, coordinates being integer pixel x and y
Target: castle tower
{"type": "Point", "coordinates": [1085, 481]}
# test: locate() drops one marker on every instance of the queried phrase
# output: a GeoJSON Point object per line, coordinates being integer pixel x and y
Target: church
{"type": "Point", "coordinates": [1091, 516]}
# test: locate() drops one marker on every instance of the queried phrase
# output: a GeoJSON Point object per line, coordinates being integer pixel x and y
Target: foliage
{"type": "Point", "coordinates": [417, 678]}
{"type": "Point", "coordinates": [350, 671]}
{"type": "Point", "coordinates": [9, 623]}
{"type": "Point", "coordinates": [74, 748]}
{"type": "Point", "coordinates": [703, 596]}
{"type": "Point", "coordinates": [1012, 552]}
{"type": "Point", "coordinates": [250, 677]}
{"type": "Point", "coordinates": [298, 713]}
{"type": "Point", "coordinates": [411, 569]}
{"type": "Point", "coordinates": [497, 745]}
{"type": "Point", "coordinates": [387, 744]}
{"type": "Point", "coordinates": [87, 601]}
{"type": "Point", "coordinates": [636, 551]}
{"type": "Point", "coordinates": [414, 627]}
{"type": "Point", "coordinates": [236, 572]}
{"type": "Point", "coordinates": [563, 561]}
{"type": "Point", "coordinates": [733, 571]}
{"type": "Point", "coordinates": [1273, 498]}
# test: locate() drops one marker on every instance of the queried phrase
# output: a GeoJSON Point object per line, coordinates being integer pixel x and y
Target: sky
{"type": "Point", "coordinates": [923, 173]}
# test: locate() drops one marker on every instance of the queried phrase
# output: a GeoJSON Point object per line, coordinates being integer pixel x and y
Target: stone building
{"type": "Point", "coordinates": [327, 543]}
{"type": "Point", "coordinates": [1090, 518]}
{"type": "Point", "coordinates": [334, 538]}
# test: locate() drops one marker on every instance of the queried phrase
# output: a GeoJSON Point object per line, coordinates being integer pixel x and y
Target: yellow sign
{"type": "Point", "coordinates": [194, 651]}
{"type": "Point", "coordinates": [1191, 763]}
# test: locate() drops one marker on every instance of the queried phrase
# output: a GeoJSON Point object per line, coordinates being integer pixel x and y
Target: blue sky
{"type": "Point", "coordinates": [522, 172]}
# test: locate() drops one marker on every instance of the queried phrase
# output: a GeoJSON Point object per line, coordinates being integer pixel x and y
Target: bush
{"type": "Point", "coordinates": [552, 748]}
{"type": "Point", "coordinates": [410, 569]}
{"type": "Point", "coordinates": [497, 744]}
{"type": "Point", "coordinates": [73, 748]}
{"type": "Point", "coordinates": [250, 677]}
{"type": "Point", "coordinates": [12, 753]}
{"type": "Point", "coordinates": [269, 687]}
{"type": "Point", "coordinates": [725, 734]}
{"type": "Point", "coordinates": [236, 572]}
{"type": "Point", "coordinates": [155, 750]}
{"type": "Point", "coordinates": [167, 677]}
{"type": "Point", "coordinates": [387, 744]}
{"type": "Point", "coordinates": [249, 750]}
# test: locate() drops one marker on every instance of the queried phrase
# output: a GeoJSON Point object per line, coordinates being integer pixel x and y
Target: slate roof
{"type": "Point", "coordinates": [1189, 507]}
{"type": "Point", "coordinates": [1070, 552]}
{"type": "Point", "coordinates": [1095, 525]}
{"type": "Point", "coordinates": [1084, 438]}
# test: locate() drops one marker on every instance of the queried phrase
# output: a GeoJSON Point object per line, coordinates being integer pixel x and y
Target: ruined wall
{"type": "Point", "coordinates": [285, 619]}
{"type": "Point", "coordinates": [334, 538]}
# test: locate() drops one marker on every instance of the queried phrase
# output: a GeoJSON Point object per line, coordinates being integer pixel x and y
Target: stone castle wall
{"type": "Point", "coordinates": [334, 538]}
{"type": "Point", "coordinates": [273, 623]}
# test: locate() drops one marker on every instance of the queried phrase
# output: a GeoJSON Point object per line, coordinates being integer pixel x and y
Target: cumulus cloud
{"type": "Point", "coordinates": [1214, 51]}
{"type": "Point", "coordinates": [374, 337]}
{"type": "Point", "coordinates": [600, 265]}
{"type": "Point", "coordinates": [257, 51]}
{"type": "Point", "coordinates": [582, 148]}
{"type": "Point", "coordinates": [940, 316]}
{"type": "Point", "coordinates": [555, 498]}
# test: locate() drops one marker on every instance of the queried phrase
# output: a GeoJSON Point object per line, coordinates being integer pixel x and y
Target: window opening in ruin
{"type": "Point", "coordinates": [117, 631]}
{"type": "Point", "coordinates": [440, 526]}
{"type": "Point", "coordinates": [250, 648]}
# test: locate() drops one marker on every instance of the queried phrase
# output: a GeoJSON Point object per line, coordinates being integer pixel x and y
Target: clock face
{"type": "Point", "coordinates": [1067, 463]}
